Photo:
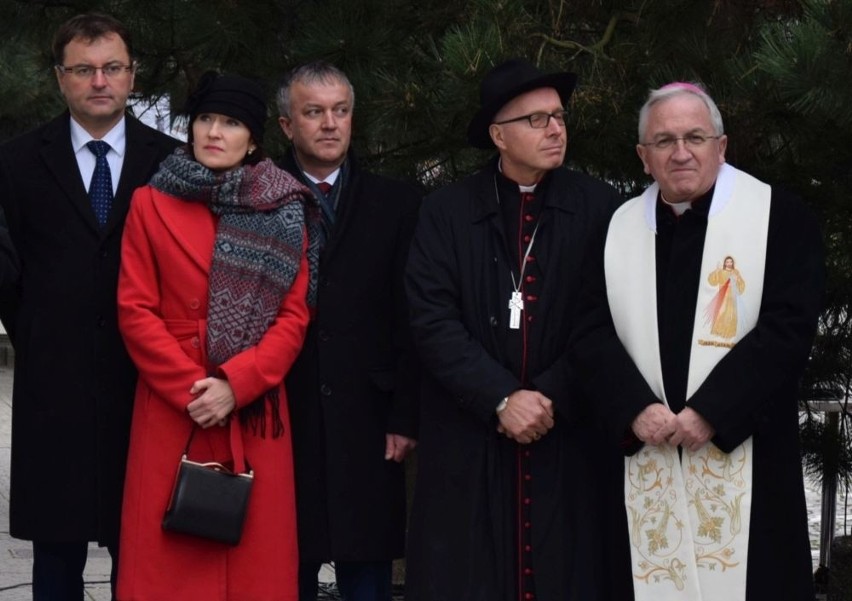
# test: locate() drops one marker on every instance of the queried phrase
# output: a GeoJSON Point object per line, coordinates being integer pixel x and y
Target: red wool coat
{"type": "Point", "coordinates": [162, 303]}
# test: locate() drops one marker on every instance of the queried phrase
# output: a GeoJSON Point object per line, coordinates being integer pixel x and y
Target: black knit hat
{"type": "Point", "coordinates": [231, 95]}
{"type": "Point", "coordinates": [505, 82]}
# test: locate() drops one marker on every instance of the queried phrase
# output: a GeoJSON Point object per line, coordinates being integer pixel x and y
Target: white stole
{"type": "Point", "coordinates": [689, 518]}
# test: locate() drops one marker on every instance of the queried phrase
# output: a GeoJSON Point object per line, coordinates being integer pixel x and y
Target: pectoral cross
{"type": "Point", "coordinates": [516, 305]}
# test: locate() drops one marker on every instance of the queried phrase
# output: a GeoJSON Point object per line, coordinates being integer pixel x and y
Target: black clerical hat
{"type": "Point", "coordinates": [505, 82]}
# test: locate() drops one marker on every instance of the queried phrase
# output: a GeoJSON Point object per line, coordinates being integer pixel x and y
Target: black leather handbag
{"type": "Point", "coordinates": [209, 500]}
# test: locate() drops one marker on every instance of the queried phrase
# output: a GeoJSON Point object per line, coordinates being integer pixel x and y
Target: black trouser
{"type": "Point", "coordinates": [58, 570]}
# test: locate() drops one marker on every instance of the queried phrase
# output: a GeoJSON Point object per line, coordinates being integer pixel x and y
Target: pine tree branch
{"type": "Point", "coordinates": [48, 3]}
{"type": "Point", "coordinates": [596, 49]}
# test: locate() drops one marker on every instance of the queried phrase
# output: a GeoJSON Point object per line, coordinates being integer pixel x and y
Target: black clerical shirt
{"type": "Point", "coordinates": [679, 251]}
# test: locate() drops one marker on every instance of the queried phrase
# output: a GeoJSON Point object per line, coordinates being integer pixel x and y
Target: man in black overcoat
{"type": "Point", "coordinates": [9, 264]}
{"type": "Point", "coordinates": [506, 492]}
{"type": "Point", "coordinates": [74, 382]}
{"type": "Point", "coordinates": [695, 327]}
{"type": "Point", "coordinates": [353, 390]}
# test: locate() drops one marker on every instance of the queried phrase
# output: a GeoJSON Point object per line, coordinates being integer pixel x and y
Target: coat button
{"type": "Point", "coordinates": [325, 390]}
{"type": "Point", "coordinates": [194, 303]}
{"type": "Point", "coordinates": [195, 342]}
{"type": "Point", "coordinates": [101, 321]}
{"type": "Point", "coordinates": [493, 321]}
{"type": "Point", "coordinates": [324, 335]}
{"type": "Point", "coordinates": [529, 218]}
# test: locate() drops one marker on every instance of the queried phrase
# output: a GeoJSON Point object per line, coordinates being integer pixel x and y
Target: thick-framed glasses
{"type": "Point", "coordinates": [692, 141]}
{"type": "Point", "coordinates": [538, 120]}
{"type": "Point", "coordinates": [88, 71]}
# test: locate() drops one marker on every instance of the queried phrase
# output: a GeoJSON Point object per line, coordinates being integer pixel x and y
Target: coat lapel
{"type": "Point", "coordinates": [560, 203]}
{"type": "Point", "coordinates": [60, 161]}
{"type": "Point", "coordinates": [141, 154]}
{"type": "Point", "coordinates": [485, 210]}
{"type": "Point", "coordinates": [191, 225]}
{"type": "Point", "coordinates": [350, 204]}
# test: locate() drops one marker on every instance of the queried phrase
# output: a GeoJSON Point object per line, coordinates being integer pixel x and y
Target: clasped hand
{"type": "Point", "coordinates": [397, 447]}
{"type": "Point", "coordinates": [527, 417]}
{"type": "Point", "coordinates": [213, 402]}
{"type": "Point", "coordinates": [657, 425]}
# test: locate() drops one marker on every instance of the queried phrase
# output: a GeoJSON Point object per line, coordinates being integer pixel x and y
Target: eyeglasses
{"type": "Point", "coordinates": [539, 120]}
{"type": "Point", "coordinates": [689, 140]}
{"type": "Point", "coordinates": [88, 71]}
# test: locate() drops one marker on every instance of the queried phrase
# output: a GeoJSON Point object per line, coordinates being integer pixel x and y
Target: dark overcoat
{"type": "Point", "coordinates": [461, 537]}
{"type": "Point", "coordinates": [73, 390]}
{"type": "Point", "coordinates": [9, 265]}
{"type": "Point", "coordinates": [356, 378]}
{"type": "Point", "coordinates": [752, 391]}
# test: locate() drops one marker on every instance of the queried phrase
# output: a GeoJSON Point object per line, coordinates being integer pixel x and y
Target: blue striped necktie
{"type": "Point", "coordinates": [100, 189]}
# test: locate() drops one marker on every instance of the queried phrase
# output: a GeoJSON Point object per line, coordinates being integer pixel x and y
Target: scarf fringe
{"type": "Point", "coordinates": [253, 416]}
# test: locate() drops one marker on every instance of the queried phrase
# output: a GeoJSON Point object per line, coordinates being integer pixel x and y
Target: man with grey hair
{"type": "Point", "coordinates": [353, 391]}
{"type": "Point", "coordinates": [696, 326]}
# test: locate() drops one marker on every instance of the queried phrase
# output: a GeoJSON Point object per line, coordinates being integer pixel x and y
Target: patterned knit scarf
{"type": "Point", "coordinates": [256, 255]}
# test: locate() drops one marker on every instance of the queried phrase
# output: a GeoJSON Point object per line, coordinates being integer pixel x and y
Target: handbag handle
{"type": "Point", "coordinates": [241, 463]}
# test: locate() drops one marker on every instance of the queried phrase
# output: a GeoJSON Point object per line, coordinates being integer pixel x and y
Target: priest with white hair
{"type": "Point", "coordinates": [696, 324]}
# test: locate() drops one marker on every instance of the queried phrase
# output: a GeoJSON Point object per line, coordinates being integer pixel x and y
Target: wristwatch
{"type": "Point", "coordinates": [502, 404]}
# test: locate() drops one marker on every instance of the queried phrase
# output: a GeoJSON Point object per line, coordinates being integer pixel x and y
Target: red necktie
{"type": "Point", "coordinates": [324, 187]}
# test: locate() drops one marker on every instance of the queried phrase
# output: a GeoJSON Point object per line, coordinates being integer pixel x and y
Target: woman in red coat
{"type": "Point", "coordinates": [213, 309]}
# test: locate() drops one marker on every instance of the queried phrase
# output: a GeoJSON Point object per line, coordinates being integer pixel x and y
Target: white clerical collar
{"type": "Point", "coordinates": [523, 189]}
{"type": "Point", "coordinates": [330, 179]}
{"type": "Point", "coordinates": [678, 208]}
{"type": "Point", "coordinates": [722, 192]}
{"type": "Point", "coordinates": [116, 137]}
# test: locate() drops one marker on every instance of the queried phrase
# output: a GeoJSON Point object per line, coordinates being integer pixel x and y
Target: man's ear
{"type": "Point", "coordinates": [641, 150]}
{"type": "Point", "coordinates": [496, 133]}
{"type": "Point", "coordinates": [286, 126]}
